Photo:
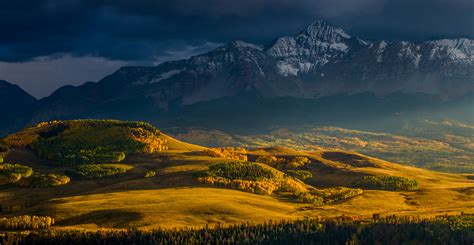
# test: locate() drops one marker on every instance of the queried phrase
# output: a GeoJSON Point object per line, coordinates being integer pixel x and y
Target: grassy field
{"type": "Point", "coordinates": [175, 198]}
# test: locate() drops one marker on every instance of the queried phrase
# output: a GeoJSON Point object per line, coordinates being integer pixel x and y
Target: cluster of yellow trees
{"type": "Point", "coordinates": [236, 153]}
{"type": "Point", "coordinates": [295, 162]}
{"type": "Point", "coordinates": [264, 187]}
{"type": "Point", "coordinates": [150, 173]}
{"type": "Point", "coordinates": [151, 140]}
{"type": "Point", "coordinates": [327, 195]}
{"type": "Point", "coordinates": [251, 177]}
{"type": "Point", "coordinates": [26, 222]}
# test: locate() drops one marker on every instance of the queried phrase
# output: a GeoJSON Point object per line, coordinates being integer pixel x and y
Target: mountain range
{"type": "Point", "coordinates": [322, 71]}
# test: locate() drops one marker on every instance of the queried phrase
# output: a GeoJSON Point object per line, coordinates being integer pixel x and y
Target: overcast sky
{"type": "Point", "coordinates": [45, 44]}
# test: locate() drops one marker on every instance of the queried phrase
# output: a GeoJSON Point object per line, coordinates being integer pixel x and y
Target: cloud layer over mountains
{"type": "Point", "coordinates": [150, 31]}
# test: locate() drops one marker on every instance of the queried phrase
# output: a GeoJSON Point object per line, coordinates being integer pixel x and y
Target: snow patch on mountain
{"type": "Point", "coordinates": [149, 79]}
{"type": "Point", "coordinates": [293, 69]}
{"type": "Point", "coordinates": [242, 44]}
{"type": "Point", "coordinates": [166, 75]}
{"type": "Point", "coordinates": [339, 46]}
{"type": "Point", "coordinates": [286, 69]}
{"type": "Point", "coordinates": [380, 50]}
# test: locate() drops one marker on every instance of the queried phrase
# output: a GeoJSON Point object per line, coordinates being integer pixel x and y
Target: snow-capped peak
{"type": "Point", "coordinates": [321, 30]}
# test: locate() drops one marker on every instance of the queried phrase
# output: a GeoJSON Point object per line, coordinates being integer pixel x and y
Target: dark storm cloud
{"type": "Point", "coordinates": [142, 30]}
{"type": "Point", "coordinates": [48, 43]}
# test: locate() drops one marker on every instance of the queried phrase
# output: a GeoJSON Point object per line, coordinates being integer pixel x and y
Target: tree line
{"type": "Point", "coordinates": [342, 230]}
{"type": "Point", "coordinates": [388, 183]}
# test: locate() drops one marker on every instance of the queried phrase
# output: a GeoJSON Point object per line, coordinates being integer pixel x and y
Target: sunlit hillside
{"type": "Point", "coordinates": [184, 185]}
{"type": "Point", "coordinates": [443, 146]}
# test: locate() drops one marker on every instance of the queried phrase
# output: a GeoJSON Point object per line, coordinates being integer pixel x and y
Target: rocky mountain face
{"type": "Point", "coordinates": [319, 62]}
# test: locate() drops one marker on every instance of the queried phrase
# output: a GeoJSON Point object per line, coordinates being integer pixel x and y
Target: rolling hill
{"type": "Point", "coordinates": [184, 185]}
{"type": "Point", "coordinates": [438, 145]}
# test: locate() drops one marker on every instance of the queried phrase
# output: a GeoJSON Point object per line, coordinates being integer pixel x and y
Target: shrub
{"type": "Point", "coordinates": [3, 147]}
{"type": "Point", "coordinates": [388, 183]}
{"type": "Point", "coordinates": [26, 222]}
{"type": "Point", "coordinates": [150, 173]}
{"type": "Point", "coordinates": [297, 162]}
{"type": "Point", "coordinates": [235, 153]}
{"type": "Point", "coordinates": [12, 173]}
{"type": "Point", "coordinates": [38, 180]}
{"type": "Point", "coordinates": [300, 174]}
{"type": "Point", "coordinates": [270, 160]}
{"type": "Point", "coordinates": [98, 171]}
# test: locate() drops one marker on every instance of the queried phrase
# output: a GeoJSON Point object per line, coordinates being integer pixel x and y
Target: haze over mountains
{"type": "Point", "coordinates": [322, 74]}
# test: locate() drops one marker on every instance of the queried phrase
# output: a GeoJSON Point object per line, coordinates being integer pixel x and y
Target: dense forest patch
{"type": "Point", "coordinates": [79, 142]}
{"type": "Point", "coordinates": [98, 171]}
{"type": "Point", "coordinates": [343, 230]}
{"type": "Point", "coordinates": [39, 180]}
{"type": "Point", "coordinates": [12, 173]}
{"type": "Point", "coordinates": [327, 195]}
{"type": "Point", "coordinates": [240, 170]}
{"type": "Point", "coordinates": [261, 179]}
{"type": "Point", "coordinates": [388, 183]}
{"type": "Point", "coordinates": [250, 177]}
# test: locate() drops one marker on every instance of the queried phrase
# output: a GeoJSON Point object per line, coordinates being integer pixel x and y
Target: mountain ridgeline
{"type": "Point", "coordinates": [319, 71]}
{"type": "Point", "coordinates": [16, 106]}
